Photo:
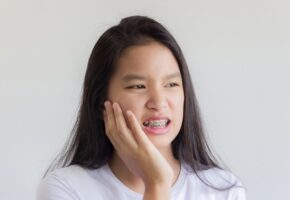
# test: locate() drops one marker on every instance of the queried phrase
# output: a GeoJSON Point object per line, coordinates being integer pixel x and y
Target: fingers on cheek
{"type": "Point", "coordinates": [120, 118]}
{"type": "Point", "coordinates": [107, 128]}
{"type": "Point", "coordinates": [111, 128]}
{"type": "Point", "coordinates": [131, 118]}
{"type": "Point", "coordinates": [116, 116]}
{"type": "Point", "coordinates": [105, 117]}
{"type": "Point", "coordinates": [128, 119]}
{"type": "Point", "coordinates": [131, 121]}
{"type": "Point", "coordinates": [137, 129]}
{"type": "Point", "coordinates": [107, 123]}
{"type": "Point", "coordinates": [108, 118]}
{"type": "Point", "coordinates": [121, 128]}
{"type": "Point", "coordinates": [108, 131]}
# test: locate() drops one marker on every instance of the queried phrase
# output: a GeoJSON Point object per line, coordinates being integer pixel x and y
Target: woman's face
{"type": "Point", "coordinates": [148, 82]}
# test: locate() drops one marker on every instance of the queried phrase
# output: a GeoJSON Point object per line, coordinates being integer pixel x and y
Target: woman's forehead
{"type": "Point", "coordinates": [152, 58]}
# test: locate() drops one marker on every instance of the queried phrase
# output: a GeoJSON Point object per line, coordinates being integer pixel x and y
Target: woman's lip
{"type": "Point", "coordinates": [157, 131]}
{"type": "Point", "coordinates": [156, 118]}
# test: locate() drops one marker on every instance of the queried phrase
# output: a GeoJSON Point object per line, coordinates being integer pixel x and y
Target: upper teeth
{"type": "Point", "coordinates": [162, 122]}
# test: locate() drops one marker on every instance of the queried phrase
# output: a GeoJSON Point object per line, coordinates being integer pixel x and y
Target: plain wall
{"type": "Point", "coordinates": [238, 53]}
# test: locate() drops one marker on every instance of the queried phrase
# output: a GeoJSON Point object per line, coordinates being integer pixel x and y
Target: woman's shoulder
{"type": "Point", "coordinates": [218, 176]}
{"type": "Point", "coordinates": [221, 177]}
{"type": "Point", "coordinates": [69, 172]}
{"type": "Point", "coordinates": [215, 181]}
{"type": "Point", "coordinates": [68, 182]}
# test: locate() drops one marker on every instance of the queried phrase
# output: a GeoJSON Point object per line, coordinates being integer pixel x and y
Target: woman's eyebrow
{"type": "Point", "coordinates": [130, 77]}
{"type": "Point", "coordinates": [174, 75]}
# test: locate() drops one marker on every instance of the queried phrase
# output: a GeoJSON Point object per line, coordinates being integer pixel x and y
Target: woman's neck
{"type": "Point", "coordinates": [135, 183]}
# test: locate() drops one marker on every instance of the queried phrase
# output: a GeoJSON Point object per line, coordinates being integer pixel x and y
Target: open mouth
{"type": "Point", "coordinates": [157, 123]}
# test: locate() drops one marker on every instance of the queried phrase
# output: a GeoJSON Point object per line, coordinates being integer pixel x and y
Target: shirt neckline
{"type": "Point", "coordinates": [174, 189]}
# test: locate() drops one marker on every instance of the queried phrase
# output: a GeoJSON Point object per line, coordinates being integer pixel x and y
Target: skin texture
{"type": "Point", "coordinates": [143, 161]}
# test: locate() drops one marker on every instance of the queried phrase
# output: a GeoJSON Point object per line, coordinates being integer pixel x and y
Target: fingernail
{"type": "Point", "coordinates": [106, 104]}
{"type": "Point", "coordinates": [115, 106]}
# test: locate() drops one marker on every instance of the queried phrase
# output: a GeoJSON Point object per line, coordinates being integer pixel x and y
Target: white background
{"type": "Point", "coordinates": [239, 58]}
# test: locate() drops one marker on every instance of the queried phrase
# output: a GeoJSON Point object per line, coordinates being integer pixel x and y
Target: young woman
{"type": "Point", "coordinates": [138, 134]}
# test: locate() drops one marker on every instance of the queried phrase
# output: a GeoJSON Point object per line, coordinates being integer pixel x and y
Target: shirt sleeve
{"type": "Point", "coordinates": [53, 187]}
{"type": "Point", "coordinates": [239, 194]}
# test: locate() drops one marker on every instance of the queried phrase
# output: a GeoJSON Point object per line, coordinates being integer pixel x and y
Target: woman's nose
{"type": "Point", "coordinates": [157, 99]}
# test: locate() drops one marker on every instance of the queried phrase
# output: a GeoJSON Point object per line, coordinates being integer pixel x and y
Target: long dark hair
{"type": "Point", "coordinates": [88, 145]}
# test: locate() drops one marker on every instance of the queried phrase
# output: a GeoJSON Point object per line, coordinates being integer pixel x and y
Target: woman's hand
{"type": "Point", "coordinates": [136, 150]}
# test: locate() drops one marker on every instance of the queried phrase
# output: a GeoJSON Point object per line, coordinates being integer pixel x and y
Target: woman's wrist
{"type": "Point", "coordinates": [157, 192]}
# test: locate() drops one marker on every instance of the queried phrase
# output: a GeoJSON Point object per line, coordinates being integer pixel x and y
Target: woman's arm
{"type": "Point", "coordinates": [138, 153]}
{"type": "Point", "coordinates": [158, 192]}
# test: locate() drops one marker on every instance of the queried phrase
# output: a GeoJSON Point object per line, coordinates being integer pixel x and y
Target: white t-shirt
{"type": "Point", "coordinates": [77, 183]}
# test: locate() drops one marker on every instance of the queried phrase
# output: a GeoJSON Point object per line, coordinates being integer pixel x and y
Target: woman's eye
{"type": "Point", "coordinates": [136, 87]}
{"type": "Point", "coordinates": [173, 84]}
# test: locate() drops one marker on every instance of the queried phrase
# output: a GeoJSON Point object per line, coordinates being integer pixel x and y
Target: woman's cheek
{"type": "Point", "coordinates": [130, 103]}
{"type": "Point", "coordinates": [177, 105]}
{"type": "Point", "coordinates": [126, 107]}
